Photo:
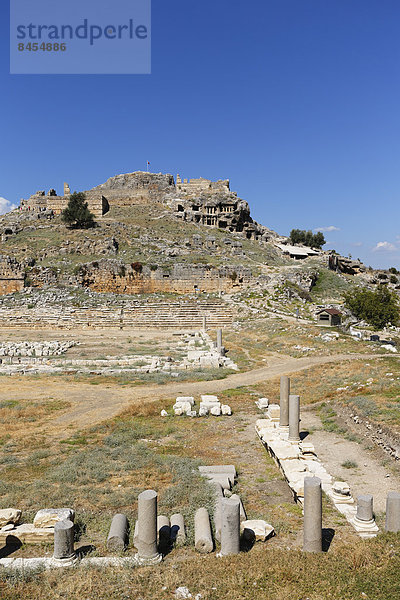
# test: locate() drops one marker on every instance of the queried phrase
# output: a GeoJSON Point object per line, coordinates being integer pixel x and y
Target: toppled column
{"type": "Point", "coordinates": [64, 543]}
{"type": "Point", "coordinates": [364, 522]}
{"type": "Point", "coordinates": [118, 536]}
{"type": "Point", "coordinates": [219, 495]}
{"type": "Point", "coordinates": [284, 402]}
{"type": "Point", "coordinates": [164, 534]}
{"type": "Point", "coordinates": [312, 525]}
{"type": "Point", "coordinates": [294, 418]}
{"type": "Point", "coordinates": [230, 532]}
{"type": "Point", "coordinates": [178, 535]}
{"type": "Point", "coordinates": [224, 469]}
{"type": "Point", "coordinates": [147, 529]}
{"type": "Point", "coordinates": [202, 532]}
{"type": "Point", "coordinates": [393, 512]}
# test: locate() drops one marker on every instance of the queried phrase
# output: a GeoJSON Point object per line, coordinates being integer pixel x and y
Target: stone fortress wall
{"type": "Point", "coordinates": [201, 200]}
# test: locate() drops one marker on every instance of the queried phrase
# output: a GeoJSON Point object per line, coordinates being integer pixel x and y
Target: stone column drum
{"type": "Point", "coordinates": [64, 542]}
{"type": "Point", "coordinates": [294, 418]}
{"type": "Point", "coordinates": [312, 527]}
{"type": "Point", "coordinates": [284, 402]}
{"type": "Point", "coordinates": [393, 512]}
{"type": "Point", "coordinates": [202, 532]}
{"type": "Point", "coordinates": [118, 536]}
{"type": "Point", "coordinates": [147, 529]}
{"type": "Point", "coordinates": [365, 510]}
{"type": "Point", "coordinates": [178, 535]}
{"type": "Point", "coordinates": [230, 532]}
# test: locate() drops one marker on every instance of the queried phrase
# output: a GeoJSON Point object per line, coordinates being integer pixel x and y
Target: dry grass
{"type": "Point", "coordinates": [363, 569]}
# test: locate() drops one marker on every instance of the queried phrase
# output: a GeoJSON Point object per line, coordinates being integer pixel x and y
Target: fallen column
{"type": "Point", "coordinates": [312, 524]}
{"type": "Point", "coordinates": [147, 529]}
{"type": "Point", "coordinates": [118, 536]}
{"type": "Point", "coordinates": [64, 553]}
{"type": "Point", "coordinates": [294, 418]}
{"type": "Point", "coordinates": [225, 469]}
{"type": "Point", "coordinates": [219, 495]}
{"type": "Point", "coordinates": [202, 532]}
{"type": "Point", "coordinates": [284, 402]}
{"type": "Point", "coordinates": [178, 535]}
{"type": "Point", "coordinates": [230, 532]}
{"type": "Point", "coordinates": [164, 534]}
{"type": "Point", "coordinates": [393, 512]}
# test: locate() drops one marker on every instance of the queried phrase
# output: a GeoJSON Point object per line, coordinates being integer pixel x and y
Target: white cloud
{"type": "Point", "coordinates": [328, 228]}
{"type": "Point", "coordinates": [357, 244]}
{"type": "Point", "coordinates": [384, 247]}
{"type": "Point", "coordinates": [5, 206]}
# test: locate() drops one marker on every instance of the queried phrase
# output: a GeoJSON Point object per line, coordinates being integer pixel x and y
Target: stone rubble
{"type": "Point", "coordinates": [184, 405]}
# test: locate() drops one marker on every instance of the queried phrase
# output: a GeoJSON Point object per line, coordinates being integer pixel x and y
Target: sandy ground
{"type": "Point", "coordinates": [91, 404]}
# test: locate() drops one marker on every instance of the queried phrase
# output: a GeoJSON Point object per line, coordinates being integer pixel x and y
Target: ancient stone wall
{"type": "Point", "coordinates": [113, 276]}
{"type": "Point", "coordinates": [12, 276]}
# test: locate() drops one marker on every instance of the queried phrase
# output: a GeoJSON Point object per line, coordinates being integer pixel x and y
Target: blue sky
{"type": "Point", "coordinates": [295, 101]}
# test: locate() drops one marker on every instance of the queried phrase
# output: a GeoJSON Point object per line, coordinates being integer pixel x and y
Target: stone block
{"type": "Point", "coordinates": [48, 517]}
{"type": "Point", "coordinates": [256, 530]}
{"type": "Point", "coordinates": [27, 534]}
{"type": "Point", "coordinates": [9, 515]}
{"type": "Point", "coordinates": [216, 411]}
{"type": "Point", "coordinates": [226, 410]}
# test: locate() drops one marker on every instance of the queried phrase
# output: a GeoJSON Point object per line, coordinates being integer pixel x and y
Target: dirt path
{"type": "Point", "coordinates": [368, 477]}
{"type": "Point", "coordinates": [91, 404]}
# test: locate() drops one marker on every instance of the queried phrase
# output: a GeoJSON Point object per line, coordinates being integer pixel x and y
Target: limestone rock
{"type": "Point", "coordinates": [164, 413]}
{"type": "Point", "coordinates": [226, 410]}
{"type": "Point", "coordinates": [216, 411]}
{"type": "Point", "coordinates": [256, 530]}
{"type": "Point", "coordinates": [9, 515]}
{"type": "Point", "coordinates": [48, 517]}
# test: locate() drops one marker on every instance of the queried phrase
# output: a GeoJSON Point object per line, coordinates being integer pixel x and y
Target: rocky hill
{"type": "Point", "coordinates": [155, 234]}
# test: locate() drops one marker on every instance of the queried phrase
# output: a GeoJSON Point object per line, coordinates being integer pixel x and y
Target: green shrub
{"type": "Point", "coordinates": [378, 308]}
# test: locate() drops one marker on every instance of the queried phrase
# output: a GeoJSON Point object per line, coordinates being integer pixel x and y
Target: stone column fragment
{"type": "Point", "coordinates": [64, 541]}
{"type": "Point", "coordinates": [312, 527]}
{"type": "Point", "coordinates": [365, 511]}
{"type": "Point", "coordinates": [118, 535]}
{"type": "Point", "coordinates": [147, 528]}
{"type": "Point", "coordinates": [243, 516]}
{"type": "Point", "coordinates": [230, 532]}
{"type": "Point", "coordinates": [294, 418]}
{"type": "Point", "coordinates": [219, 494]}
{"type": "Point", "coordinates": [393, 512]}
{"type": "Point", "coordinates": [164, 533]}
{"type": "Point", "coordinates": [219, 340]}
{"type": "Point", "coordinates": [202, 532]}
{"type": "Point", "coordinates": [178, 535]}
{"type": "Point", "coordinates": [284, 402]}
{"type": "Point", "coordinates": [204, 324]}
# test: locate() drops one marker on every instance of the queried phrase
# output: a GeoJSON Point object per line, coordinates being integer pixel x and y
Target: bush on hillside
{"type": "Point", "coordinates": [378, 307]}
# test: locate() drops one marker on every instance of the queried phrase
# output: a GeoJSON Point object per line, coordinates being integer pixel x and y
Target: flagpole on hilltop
{"type": "Point", "coordinates": [148, 166]}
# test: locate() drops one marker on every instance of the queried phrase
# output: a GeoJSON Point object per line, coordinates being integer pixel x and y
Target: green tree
{"type": "Point", "coordinates": [378, 308]}
{"type": "Point", "coordinates": [77, 214]}
{"type": "Point", "coordinates": [301, 236]}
